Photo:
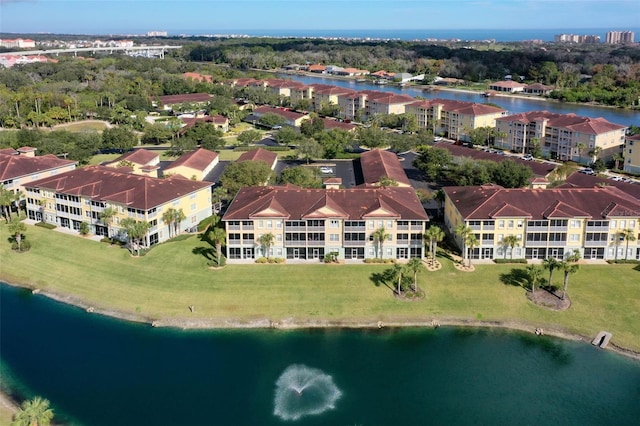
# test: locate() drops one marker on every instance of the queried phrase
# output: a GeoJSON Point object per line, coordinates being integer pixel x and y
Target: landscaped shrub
{"type": "Point", "coordinates": [262, 260]}
{"type": "Point", "coordinates": [268, 148]}
{"type": "Point", "coordinates": [331, 257]}
{"type": "Point", "coordinates": [46, 225]}
{"type": "Point", "coordinates": [269, 260]}
{"type": "Point", "coordinates": [510, 260]}
{"type": "Point", "coordinates": [24, 246]}
{"type": "Point", "coordinates": [378, 260]}
{"type": "Point", "coordinates": [613, 261]}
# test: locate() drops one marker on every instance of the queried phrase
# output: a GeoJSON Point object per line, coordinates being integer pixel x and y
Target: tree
{"type": "Point", "coordinates": [471, 241]}
{"type": "Point", "coordinates": [34, 412]}
{"type": "Point", "coordinates": [266, 240]}
{"type": "Point", "coordinates": [627, 235]}
{"type": "Point", "coordinates": [440, 197]}
{"type": "Point", "coordinates": [119, 138]}
{"type": "Point", "coordinates": [178, 218]}
{"type": "Point", "coordinates": [617, 158]}
{"type": "Point", "coordinates": [397, 272]}
{"type": "Point", "coordinates": [136, 232]}
{"type": "Point", "coordinates": [379, 236]}
{"type": "Point", "coordinates": [434, 234]}
{"type": "Point", "coordinates": [106, 216]}
{"type": "Point", "coordinates": [270, 119]}
{"type": "Point", "coordinates": [168, 218]}
{"type": "Point", "coordinates": [249, 137]}
{"type": "Point", "coordinates": [510, 241]}
{"type": "Point", "coordinates": [17, 229]}
{"type": "Point", "coordinates": [569, 266]}
{"type": "Point", "coordinates": [304, 177]}
{"type": "Point", "coordinates": [415, 265]}
{"type": "Point", "coordinates": [309, 148]}
{"type": "Point", "coordinates": [433, 162]}
{"type": "Point", "coordinates": [463, 231]}
{"type": "Point", "coordinates": [245, 173]}
{"type": "Point", "coordinates": [287, 136]}
{"type": "Point", "coordinates": [534, 274]}
{"type": "Point", "coordinates": [217, 236]}
{"type": "Point", "coordinates": [156, 134]}
{"type": "Point", "coordinates": [550, 264]}
{"type": "Point", "coordinates": [219, 194]}
{"type": "Point", "coordinates": [84, 228]}
{"type": "Point", "coordinates": [6, 199]}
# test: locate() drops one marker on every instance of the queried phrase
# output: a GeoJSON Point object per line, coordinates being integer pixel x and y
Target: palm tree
{"type": "Point", "coordinates": [17, 228]}
{"type": "Point", "coordinates": [594, 153]}
{"type": "Point", "coordinates": [617, 158]}
{"type": "Point", "coordinates": [550, 263]}
{"type": "Point", "coordinates": [379, 235]}
{"type": "Point", "coordinates": [267, 241]}
{"type": "Point", "coordinates": [580, 147]}
{"type": "Point", "coordinates": [217, 236]}
{"type": "Point", "coordinates": [627, 235]}
{"type": "Point", "coordinates": [219, 194]}
{"type": "Point", "coordinates": [398, 271]}
{"type": "Point", "coordinates": [6, 199]}
{"type": "Point", "coordinates": [569, 266]}
{"type": "Point", "coordinates": [415, 265]}
{"type": "Point", "coordinates": [510, 241]}
{"type": "Point", "coordinates": [136, 231]}
{"type": "Point", "coordinates": [534, 274]}
{"type": "Point", "coordinates": [178, 217]}
{"type": "Point", "coordinates": [434, 234]}
{"type": "Point", "coordinates": [439, 196]}
{"type": "Point", "coordinates": [34, 412]}
{"type": "Point", "coordinates": [168, 217]}
{"type": "Point", "coordinates": [106, 216]}
{"type": "Point", "coordinates": [463, 232]}
{"type": "Point", "coordinates": [471, 241]}
{"type": "Point", "coordinates": [617, 236]}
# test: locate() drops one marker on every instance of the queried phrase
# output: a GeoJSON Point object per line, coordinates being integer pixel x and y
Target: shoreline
{"type": "Point", "coordinates": [291, 324]}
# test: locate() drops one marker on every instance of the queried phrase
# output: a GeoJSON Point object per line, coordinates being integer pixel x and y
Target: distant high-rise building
{"type": "Point", "coordinates": [157, 34]}
{"type": "Point", "coordinates": [575, 38]}
{"type": "Point", "coordinates": [620, 37]}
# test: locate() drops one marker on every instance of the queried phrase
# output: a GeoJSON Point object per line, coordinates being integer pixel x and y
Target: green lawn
{"type": "Point", "coordinates": [83, 126]}
{"type": "Point", "coordinates": [173, 276]}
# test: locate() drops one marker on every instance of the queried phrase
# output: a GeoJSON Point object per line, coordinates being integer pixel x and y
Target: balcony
{"type": "Point", "coordinates": [233, 227]}
{"type": "Point", "coordinates": [354, 243]}
{"type": "Point", "coordinates": [289, 228]}
{"type": "Point", "coordinates": [595, 243]}
{"type": "Point", "coordinates": [557, 243]}
{"type": "Point", "coordinates": [597, 228]}
{"type": "Point", "coordinates": [316, 243]}
{"type": "Point", "coordinates": [355, 228]}
{"type": "Point", "coordinates": [536, 244]}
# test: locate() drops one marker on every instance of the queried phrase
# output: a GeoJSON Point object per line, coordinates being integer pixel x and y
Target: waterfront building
{"type": "Point", "coordinates": [507, 86]}
{"type": "Point", "coordinates": [308, 224]}
{"type": "Point", "coordinates": [453, 118]}
{"type": "Point", "coordinates": [575, 38]}
{"type": "Point", "coordinates": [561, 136]}
{"type": "Point", "coordinates": [620, 37]}
{"type": "Point", "coordinates": [631, 154]}
{"type": "Point", "coordinates": [81, 195]}
{"type": "Point", "coordinates": [20, 167]}
{"type": "Point", "coordinates": [546, 222]}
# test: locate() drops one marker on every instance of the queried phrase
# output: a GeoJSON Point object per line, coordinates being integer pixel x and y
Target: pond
{"type": "Point", "coordinates": [101, 371]}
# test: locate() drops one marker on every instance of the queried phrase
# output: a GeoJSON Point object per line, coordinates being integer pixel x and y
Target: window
{"type": "Point", "coordinates": [574, 237]}
{"type": "Point", "coordinates": [389, 224]}
{"type": "Point", "coordinates": [510, 224]}
{"type": "Point", "coordinates": [501, 224]}
{"type": "Point", "coordinates": [269, 224]}
{"type": "Point", "coordinates": [613, 224]}
{"type": "Point", "coordinates": [334, 237]}
{"type": "Point", "coordinates": [500, 237]}
{"type": "Point", "coordinates": [575, 224]}
{"type": "Point", "coordinates": [520, 223]}
{"type": "Point", "coordinates": [192, 196]}
{"type": "Point", "coordinates": [261, 224]}
{"type": "Point", "coordinates": [632, 224]}
{"type": "Point", "coordinates": [278, 224]}
{"type": "Point", "coordinates": [334, 223]}
{"type": "Point", "coordinates": [279, 237]}
{"type": "Point", "coordinates": [623, 224]}
{"type": "Point", "coordinates": [389, 252]}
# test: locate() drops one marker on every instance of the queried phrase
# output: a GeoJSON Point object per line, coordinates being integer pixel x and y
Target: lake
{"type": "Point", "coordinates": [512, 104]}
{"type": "Point", "coordinates": [101, 371]}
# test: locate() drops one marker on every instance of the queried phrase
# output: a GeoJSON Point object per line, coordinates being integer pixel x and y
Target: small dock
{"type": "Point", "coordinates": [602, 339]}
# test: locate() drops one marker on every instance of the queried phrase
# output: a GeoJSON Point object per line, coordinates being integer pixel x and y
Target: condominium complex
{"type": "Point", "coordinates": [620, 37]}
{"type": "Point", "coordinates": [546, 222]}
{"type": "Point", "coordinates": [82, 195]}
{"type": "Point", "coordinates": [311, 223]}
{"type": "Point", "coordinates": [575, 38]}
{"type": "Point", "coordinates": [561, 136]}
{"type": "Point", "coordinates": [631, 154]}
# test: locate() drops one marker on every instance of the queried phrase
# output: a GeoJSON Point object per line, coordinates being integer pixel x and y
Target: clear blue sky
{"type": "Point", "coordinates": [220, 16]}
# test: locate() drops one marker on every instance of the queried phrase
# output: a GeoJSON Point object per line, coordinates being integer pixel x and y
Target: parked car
{"type": "Point", "coordinates": [437, 139]}
{"type": "Point", "coordinates": [326, 170]}
{"type": "Point", "coordinates": [587, 171]}
{"type": "Point", "coordinates": [527, 157]}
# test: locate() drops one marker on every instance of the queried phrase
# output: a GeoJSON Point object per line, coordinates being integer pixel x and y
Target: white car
{"type": "Point", "coordinates": [587, 171]}
{"type": "Point", "coordinates": [326, 170]}
{"type": "Point", "coordinates": [528, 157]}
{"type": "Point", "coordinates": [437, 139]}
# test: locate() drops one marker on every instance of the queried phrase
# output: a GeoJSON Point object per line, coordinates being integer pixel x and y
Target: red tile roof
{"type": "Point", "coordinates": [215, 119]}
{"type": "Point", "coordinates": [14, 166]}
{"type": "Point", "coordinates": [593, 126]}
{"type": "Point", "coordinates": [378, 163]}
{"type": "Point", "coordinates": [582, 180]}
{"type": "Point", "coordinates": [199, 159]}
{"type": "Point", "coordinates": [460, 107]}
{"type": "Point", "coordinates": [335, 124]}
{"type": "Point", "coordinates": [140, 156]}
{"type": "Point", "coordinates": [294, 203]}
{"type": "Point", "coordinates": [101, 183]}
{"type": "Point", "coordinates": [288, 115]}
{"type": "Point", "coordinates": [259, 154]}
{"type": "Point", "coordinates": [197, 77]}
{"type": "Point", "coordinates": [492, 201]}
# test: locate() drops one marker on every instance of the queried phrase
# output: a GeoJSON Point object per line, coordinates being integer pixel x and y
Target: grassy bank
{"type": "Point", "coordinates": [173, 276]}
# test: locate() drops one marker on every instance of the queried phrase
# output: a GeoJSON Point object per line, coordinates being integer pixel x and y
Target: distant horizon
{"type": "Point", "coordinates": [219, 16]}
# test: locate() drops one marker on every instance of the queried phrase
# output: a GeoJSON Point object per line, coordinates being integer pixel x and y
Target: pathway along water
{"type": "Point", "coordinates": [512, 104]}
{"type": "Point", "coordinates": [101, 371]}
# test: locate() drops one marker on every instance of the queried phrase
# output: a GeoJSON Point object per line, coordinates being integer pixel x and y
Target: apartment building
{"type": "Point", "coordinates": [631, 154]}
{"type": "Point", "coordinates": [620, 37]}
{"type": "Point", "coordinates": [81, 195]}
{"type": "Point", "coordinates": [453, 118]}
{"type": "Point", "coordinates": [194, 165]}
{"type": "Point", "coordinates": [561, 136]}
{"type": "Point", "coordinates": [19, 168]}
{"type": "Point", "coordinates": [547, 222]}
{"type": "Point", "coordinates": [138, 161]}
{"type": "Point", "coordinates": [307, 224]}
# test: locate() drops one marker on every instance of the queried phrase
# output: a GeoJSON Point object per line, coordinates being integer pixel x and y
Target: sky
{"type": "Point", "coordinates": [224, 16]}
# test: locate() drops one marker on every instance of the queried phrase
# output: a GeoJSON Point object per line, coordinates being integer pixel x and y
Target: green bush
{"type": "Point", "coordinates": [46, 225]}
{"type": "Point", "coordinates": [378, 260]}
{"type": "Point", "coordinates": [24, 246]}
{"type": "Point", "coordinates": [614, 261]}
{"type": "Point", "coordinates": [510, 260]}
{"type": "Point", "coordinates": [262, 260]}
{"type": "Point", "coordinates": [331, 257]}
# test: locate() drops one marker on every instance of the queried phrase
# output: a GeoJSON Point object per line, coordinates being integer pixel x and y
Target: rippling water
{"type": "Point", "coordinates": [101, 371]}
